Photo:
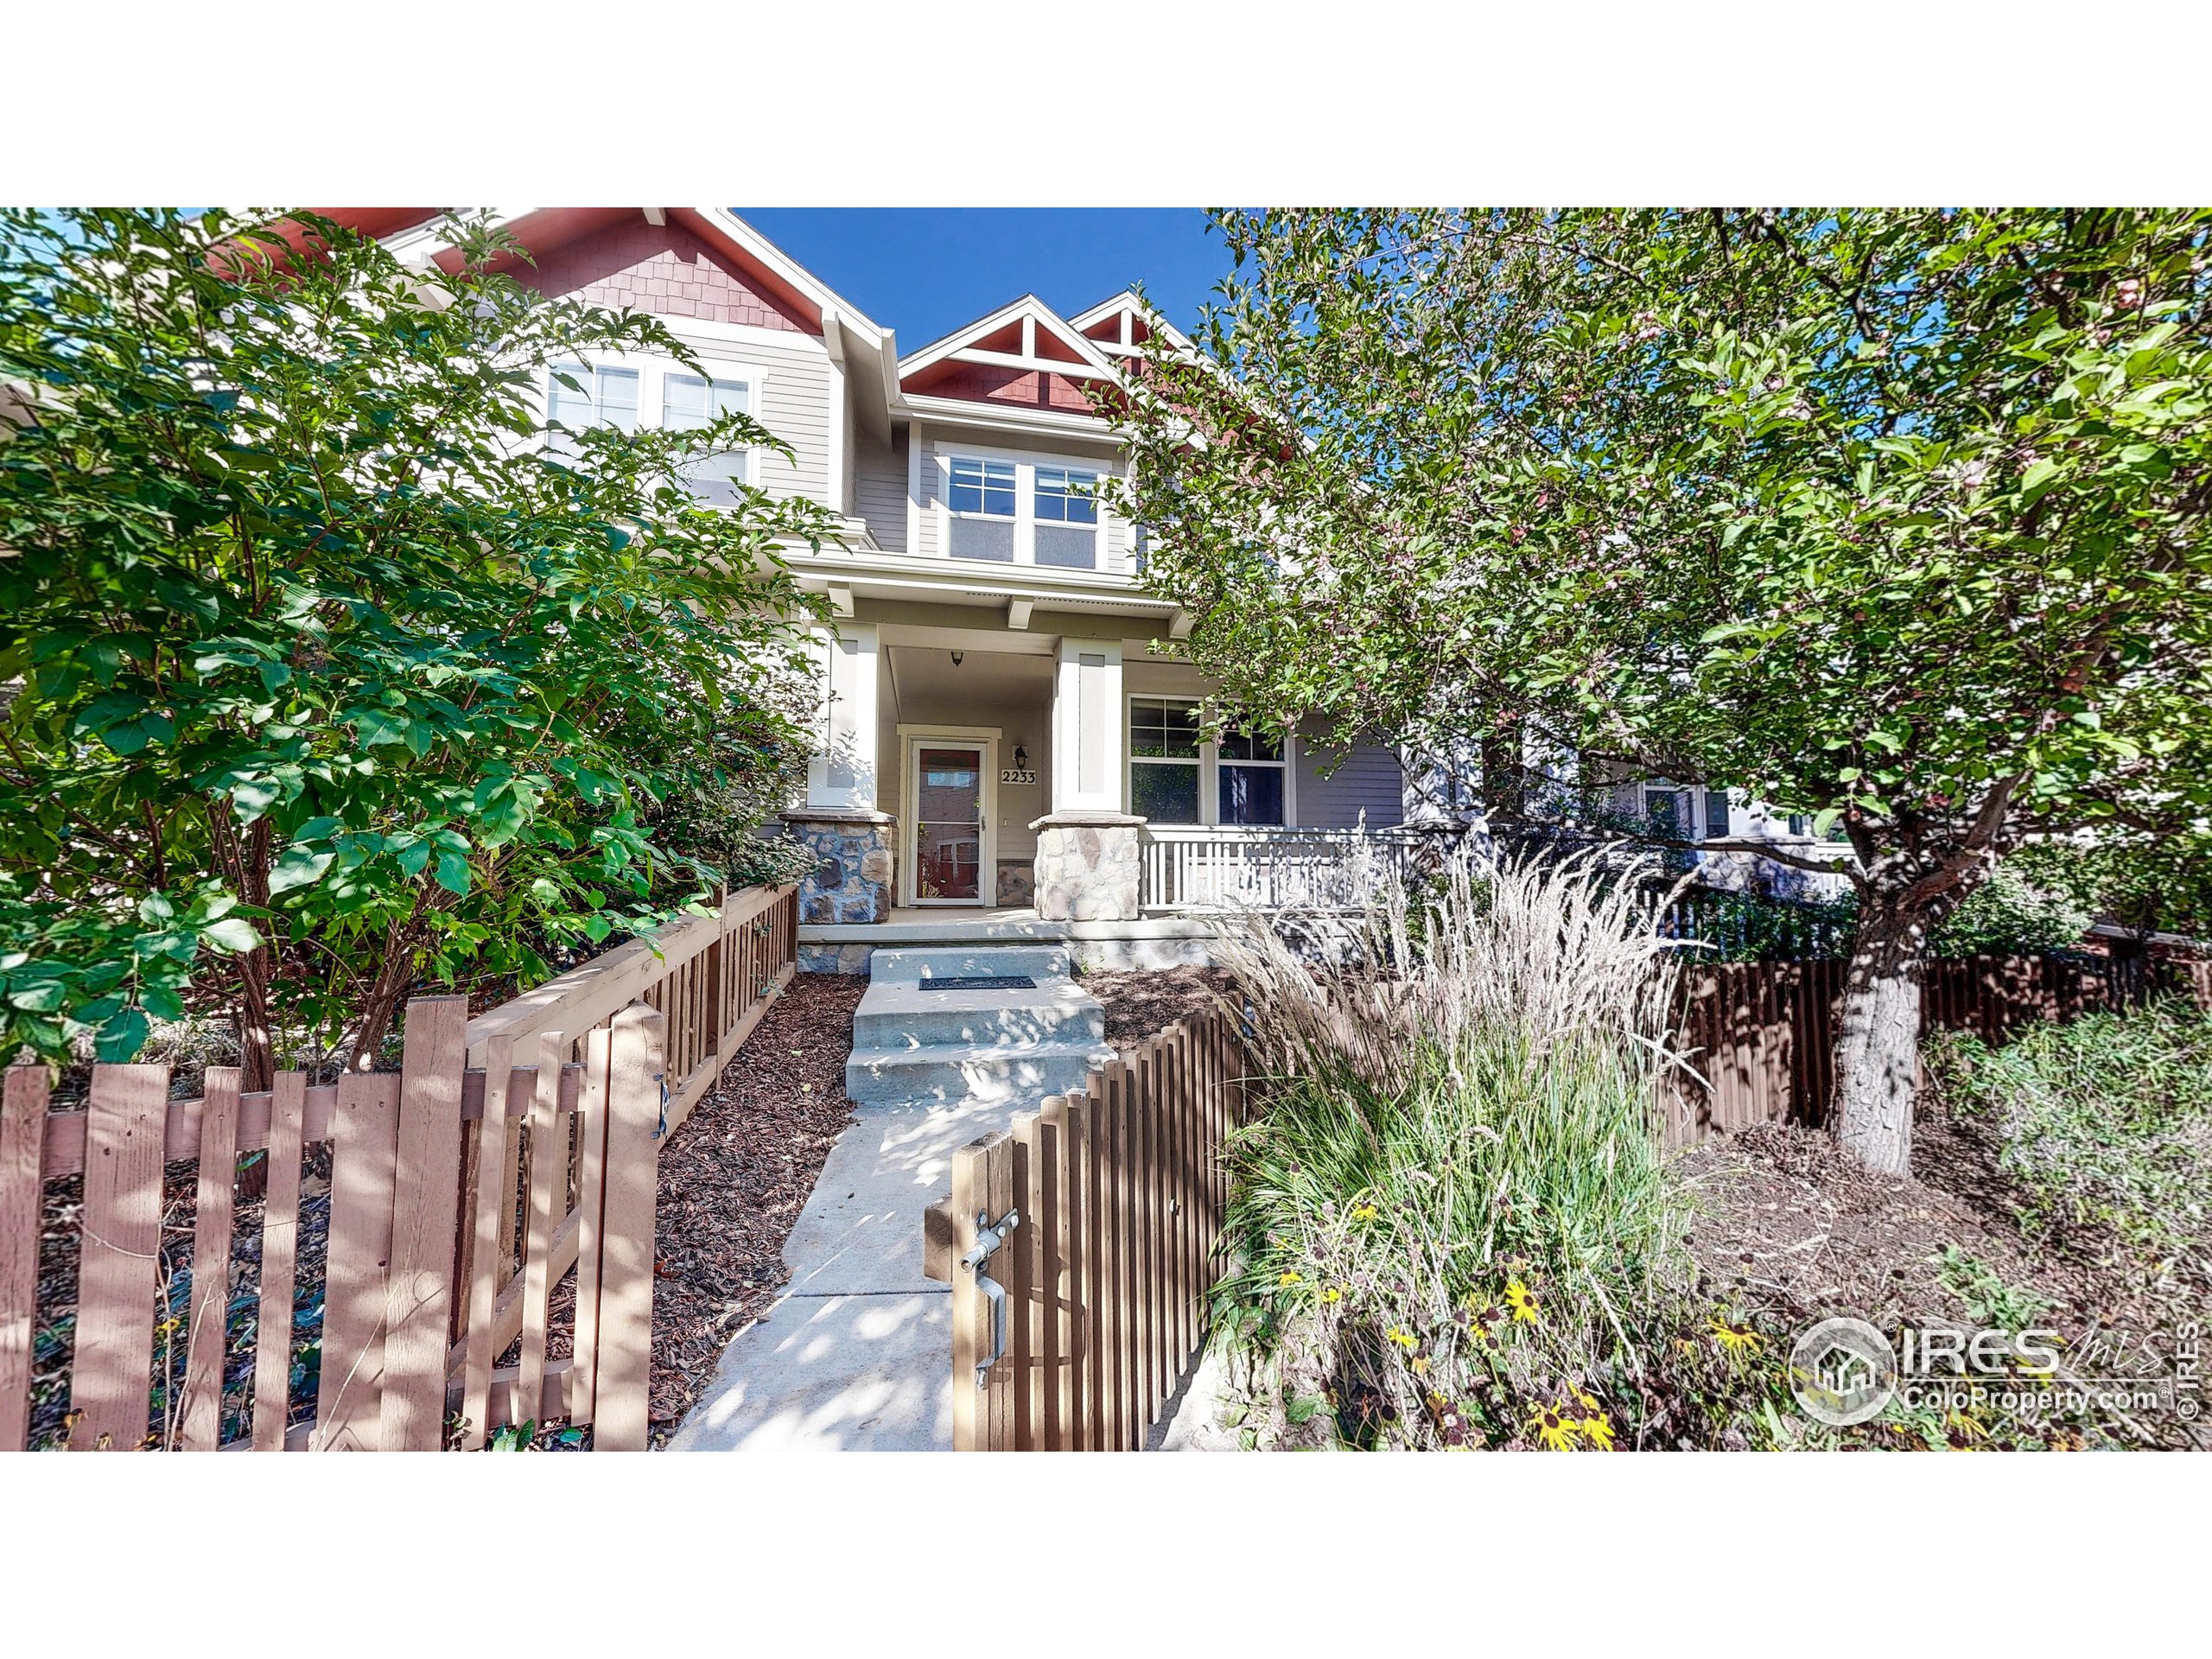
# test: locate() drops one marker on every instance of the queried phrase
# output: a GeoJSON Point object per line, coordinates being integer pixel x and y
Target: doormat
{"type": "Point", "coordinates": [980, 982]}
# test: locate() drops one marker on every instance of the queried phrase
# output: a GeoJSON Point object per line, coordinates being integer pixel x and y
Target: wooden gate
{"type": "Point", "coordinates": [1073, 1326]}
{"type": "Point", "coordinates": [164, 1355]}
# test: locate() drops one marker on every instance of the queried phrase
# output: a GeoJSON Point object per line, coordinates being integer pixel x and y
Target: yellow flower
{"type": "Point", "coordinates": [1553, 1432]}
{"type": "Point", "coordinates": [1522, 1304]}
{"type": "Point", "coordinates": [1333, 1295]}
{"type": "Point", "coordinates": [1736, 1338]}
{"type": "Point", "coordinates": [1420, 1365]}
{"type": "Point", "coordinates": [1365, 1212]}
{"type": "Point", "coordinates": [1290, 1279]}
{"type": "Point", "coordinates": [1405, 1339]}
{"type": "Point", "coordinates": [1599, 1431]}
{"type": "Point", "coordinates": [1588, 1402]}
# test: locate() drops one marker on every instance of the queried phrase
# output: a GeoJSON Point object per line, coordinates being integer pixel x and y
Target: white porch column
{"type": "Point", "coordinates": [843, 775]}
{"type": "Point", "coordinates": [1087, 727]}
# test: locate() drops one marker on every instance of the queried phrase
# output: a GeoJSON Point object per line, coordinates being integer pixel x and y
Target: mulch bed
{"type": "Point", "coordinates": [1798, 1230]}
{"type": "Point", "coordinates": [1142, 1004]}
{"type": "Point", "coordinates": [735, 1177]}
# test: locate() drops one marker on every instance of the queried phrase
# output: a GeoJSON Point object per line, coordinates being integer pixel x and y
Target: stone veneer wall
{"type": "Point", "coordinates": [1087, 867]}
{"type": "Point", "coordinates": [852, 882]}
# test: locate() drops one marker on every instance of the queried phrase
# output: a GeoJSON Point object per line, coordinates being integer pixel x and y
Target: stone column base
{"type": "Point", "coordinates": [852, 882]}
{"type": "Point", "coordinates": [1087, 867]}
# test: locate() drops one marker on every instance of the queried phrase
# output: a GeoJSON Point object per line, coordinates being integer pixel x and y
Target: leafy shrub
{"type": "Point", "coordinates": [1451, 1223]}
{"type": "Point", "coordinates": [1744, 927]}
{"type": "Point", "coordinates": [2009, 915]}
{"type": "Point", "coordinates": [2104, 1122]}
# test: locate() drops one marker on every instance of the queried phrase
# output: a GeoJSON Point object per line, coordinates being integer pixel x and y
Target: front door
{"type": "Point", "coordinates": [950, 823]}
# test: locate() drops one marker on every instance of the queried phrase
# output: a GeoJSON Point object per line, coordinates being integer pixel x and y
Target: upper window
{"type": "Point", "coordinates": [982, 499]}
{"type": "Point", "coordinates": [1067, 517]}
{"type": "Point", "coordinates": [688, 402]}
{"type": "Point", "coordinates": [578, 396]}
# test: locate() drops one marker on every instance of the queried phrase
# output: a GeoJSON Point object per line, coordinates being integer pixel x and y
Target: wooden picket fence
{"type": "Point", "coordinates": [1098, 1286]}
{"type": "Point", "coordinates": [713, 977]}
{"type": "Point", "coordinates": [462, 1188]}
{"type": "Point", "coordinates": [1763, 1034]}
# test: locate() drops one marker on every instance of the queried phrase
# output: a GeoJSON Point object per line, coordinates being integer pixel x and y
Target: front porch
{"type": "Point", "coordinates": [1035, 783]}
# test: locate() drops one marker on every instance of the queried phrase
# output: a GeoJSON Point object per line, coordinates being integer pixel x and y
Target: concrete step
{"type": "Point", "coordinates": [895, 1016]}
{"type": "Point", "coordinates": [1025, 1073]}
{"type": "Point", "coordinates": [912, 965]}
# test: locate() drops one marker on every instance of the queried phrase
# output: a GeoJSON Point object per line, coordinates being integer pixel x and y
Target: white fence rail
{"type": "Point", "coordinates": [1270, 869]}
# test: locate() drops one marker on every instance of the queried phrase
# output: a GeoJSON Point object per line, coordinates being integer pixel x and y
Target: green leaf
{"type": "Point", "coordinates": [453, 873]}
{"type": "Point", "coordinates": [122, 1037]}
{"type": "Point", "coordinates": [233, 933]}
{"type": "Point", "coordinates": [299, 866]}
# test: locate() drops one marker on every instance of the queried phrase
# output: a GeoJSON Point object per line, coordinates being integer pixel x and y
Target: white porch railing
{"type": "Point", "coordinates": [1269, 868]}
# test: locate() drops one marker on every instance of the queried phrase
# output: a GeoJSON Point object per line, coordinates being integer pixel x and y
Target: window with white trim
{"type": "Point", "coordinates": [687, 403]}
{"type": "Point", "coordinates": [982, 503]}
{"type": "Point", "coordinates": [1177, 779]}
{"type": "Point", "coordinates": [1249, 784]}
{"type": "Point", "coordinates": [1165, 765]}
{"type": "Point", "coordinates": [578, 395]}
{"type": "Point", "coordinates": [1065, 505]}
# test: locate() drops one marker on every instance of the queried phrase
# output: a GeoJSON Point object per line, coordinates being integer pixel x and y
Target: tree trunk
{"type": "Point", "coordinates": [1878, 1043]}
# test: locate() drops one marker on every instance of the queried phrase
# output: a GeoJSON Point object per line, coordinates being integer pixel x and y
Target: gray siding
{"type": "Point", "coordinates": [880, 490]}
{"type": "Point", "coordinates": [1370, 779]}
{"type": "Point", "coordinates": [795, 404]}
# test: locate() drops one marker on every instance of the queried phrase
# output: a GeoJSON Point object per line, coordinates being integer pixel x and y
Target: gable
{"type": "Point", "coordinates": [666, 270]}
{"type": "Point", "coordinates": [1023, 355]}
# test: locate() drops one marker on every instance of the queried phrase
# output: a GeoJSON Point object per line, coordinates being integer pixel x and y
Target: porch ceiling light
{"type": "Point", "coordinates": [958, 657]}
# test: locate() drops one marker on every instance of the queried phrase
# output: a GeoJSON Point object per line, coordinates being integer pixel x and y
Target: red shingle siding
{"type": "Point", "coordinates": [659, 267]}
{"type": "Point", "coordinates": [989, 382]}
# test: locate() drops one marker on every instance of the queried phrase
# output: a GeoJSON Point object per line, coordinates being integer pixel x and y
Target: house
{"type": "Point", "coordinates": [1012, 746]}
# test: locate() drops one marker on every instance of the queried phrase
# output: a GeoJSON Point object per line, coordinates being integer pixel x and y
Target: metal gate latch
{"type": "Point", "coordinates": [989, 1235]}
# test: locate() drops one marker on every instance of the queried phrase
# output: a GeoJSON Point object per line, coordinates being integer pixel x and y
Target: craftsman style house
{"type": "Point", "coordinates": [1009, 741]}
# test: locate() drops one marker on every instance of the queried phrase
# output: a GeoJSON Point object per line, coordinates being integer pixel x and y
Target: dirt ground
{"type": "Point", "coordinates": [1791, 1227]}
{"type": "Point", "coordinates": [1141, 1003]}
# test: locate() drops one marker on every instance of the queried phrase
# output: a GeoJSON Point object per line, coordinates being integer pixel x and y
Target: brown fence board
{"type": "Point", "coordinates": [549, 1194]}
{"type": "Point", "coordinates": [280, 1237]}
{"type": "Point", "coordinates": [364, 1144]}
{"type": "Point", "coordinates": [488, 1205]}
{"type": "Point", "coordinates": [23, 1140]}
{"type": "Point", "coordinates": [119, 1270]}
{"type": "Point", "coordinates": [425, 1214]}
{"type": "Point", "coordinates": [591, 1203]}
{"type": "Point", "coordinates": [620, 1417]}
{"type": "Point", "coordinates": [199, 1426]}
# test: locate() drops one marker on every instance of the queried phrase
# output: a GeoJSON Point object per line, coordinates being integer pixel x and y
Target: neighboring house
{"type": "Point", "coordinates": [1010, 744]}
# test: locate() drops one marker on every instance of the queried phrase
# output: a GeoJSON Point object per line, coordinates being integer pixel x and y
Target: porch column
{"type": "Point", "coordinates": [1087, 727]}
{"type": "Point", "coordinates": [1087, 856]}
{"type": "Point", "coordinates": [852, 842]}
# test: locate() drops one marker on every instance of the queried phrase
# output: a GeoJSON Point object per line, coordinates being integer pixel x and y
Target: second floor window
{"type": "Point", "coordinates": [578, 396]}
{"type": "Point", "coordinates": [1067, 517]}
{"type": "Point", "coordinates": [687, 403]}
{"type": "Point", "coordinates": [982, 500]}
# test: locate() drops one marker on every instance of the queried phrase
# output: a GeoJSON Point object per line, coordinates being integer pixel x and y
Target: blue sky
{"type": "Point", "coordinates": [925, 271]}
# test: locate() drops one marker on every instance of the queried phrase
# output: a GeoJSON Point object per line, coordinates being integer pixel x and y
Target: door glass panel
{"type": "Point", "coordinates": [949, 824]}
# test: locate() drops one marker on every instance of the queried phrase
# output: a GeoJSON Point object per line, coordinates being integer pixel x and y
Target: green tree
{"type": "Point", "coordinates": [1894, 517]}
{"type": "Point", "coordinates": [329, 675]}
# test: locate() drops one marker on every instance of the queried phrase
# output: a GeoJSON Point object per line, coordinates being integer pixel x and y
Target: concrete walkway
{"type": "Point", "coordinates": [857, 1356]}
